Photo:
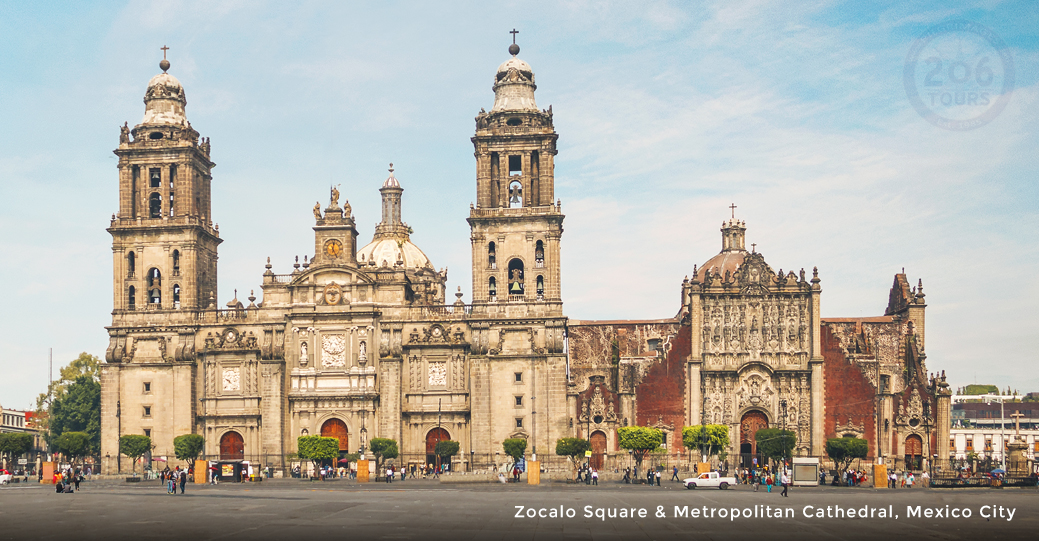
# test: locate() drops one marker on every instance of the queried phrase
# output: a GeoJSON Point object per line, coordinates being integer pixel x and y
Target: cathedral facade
{"type": "Point", "coordinates": [362, 342]}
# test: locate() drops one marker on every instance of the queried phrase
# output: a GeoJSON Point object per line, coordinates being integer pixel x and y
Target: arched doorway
{"type": "Point", "coordinates": [336, 428]}
{"type": "Point", "coordinates": [751, 422]}
{"type": "Point", "coordinates": [433, 437]}
{"type": "Point", "coordinates": [914, 452]}
{"type": "Point", "coordinates": [598, 441]}
{"type": "Point", "coordinates": [232, 446]}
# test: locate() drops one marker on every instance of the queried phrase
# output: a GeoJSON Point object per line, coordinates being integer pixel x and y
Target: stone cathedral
{"type": "Point", "coordinates": [362, 342]}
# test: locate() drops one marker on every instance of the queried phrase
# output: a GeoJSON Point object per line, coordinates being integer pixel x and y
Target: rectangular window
{"type": "Point", "coordinates": [970, 443]}
{"type": "Point", "coordinates": [156, 178]}
{"type": "Point", "coordinates": [952, 444]}
{"type": "Point", "coordinates": [148, 432]}
{"type": "Point", "coordinates": [988, 444]}
{"type": "Point", "coordinates": [147, 386]}
{"type": "Point", "coordinates": [663, 439]}
{"type": "Point", "coordinates": [515, 165]}
{"type": "Point", "coordinates": [519, 377]}
{"type": "Point", "coordinates": [147, 411]}
{"type": "Point", "coordinates": [653, 343]}
{"type": "Point", "coordinates": [519, 422]}
{"type": "Point", "coordinates": [1036, 447]}
{"type": "Point", "coordinates": [519, 401]}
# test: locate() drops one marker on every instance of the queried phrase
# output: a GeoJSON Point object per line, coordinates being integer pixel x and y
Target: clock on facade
{"type": "Point", "coordinates": [333, 248]}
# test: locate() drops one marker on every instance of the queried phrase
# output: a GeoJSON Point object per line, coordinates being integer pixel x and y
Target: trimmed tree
{"type": "Point", "coordinates": [640, 440]}
{"type": "Point", "coordinates": [134, 446]}
{"type": "Point", "coordinates": [515, 447]}
{"type": "Point", "coordinates": [572, 448]}
{"type": "Point", "coordinates": [383, 449]}
{"type": "Point", "coordinates": [15, 444]}
{"type": "Point", "coordinates": [775, 443]}
{"type": "Point", "coordinates": [709, 439]}
{"type": "Point", "coordinates": [73, 445]}
{"type": "Point", "coordinates": [187, 447]}
{"type": "Point", "coordinates": [446, 449]}
{"type": "Point", "coordinates": [844, 450]}
{"type": "Point", "coordinates": [317, 448]}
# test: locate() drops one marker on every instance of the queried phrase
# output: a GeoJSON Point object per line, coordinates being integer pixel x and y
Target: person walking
{"type": "Point", "coordinates": [768, 483]}
{"type": "Point", "coordinates": [183, 480]}
{"type": "Point", "coordinates": [674, 473]}
{"type": "Point", "coordinates": [756, 479]}
{"type": "Point", "coordinates": [658, 477]}
{"type": "Point", "coordinates": [627, 476]}
{"type": "Point", "coordinates": [785, 479]}
{"type": "Point", "coordinates": [595, 477]}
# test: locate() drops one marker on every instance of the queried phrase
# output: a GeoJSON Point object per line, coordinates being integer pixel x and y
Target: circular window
{"type": "Point", "coordinates": [514, 122]}
{"type": "Point", "coordinates": [597, 419]}
{"type": "Point", "coordinates": [914, 422]}
{"type": "Point", "coordinates": [155, 135]}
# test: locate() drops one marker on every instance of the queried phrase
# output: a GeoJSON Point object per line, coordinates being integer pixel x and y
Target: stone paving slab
{"type": "Point", "coordinates": [429, 510]}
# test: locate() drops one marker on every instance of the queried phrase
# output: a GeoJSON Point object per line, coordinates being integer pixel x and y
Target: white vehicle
{"type": "Point", "coordinates": [709, 480]}
{"type": "Point", "coordinates": [5, 477]}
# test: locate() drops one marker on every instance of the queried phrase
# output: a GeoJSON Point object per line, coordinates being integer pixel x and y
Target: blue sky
{"type": "Point", "coordinates": [667, 113]}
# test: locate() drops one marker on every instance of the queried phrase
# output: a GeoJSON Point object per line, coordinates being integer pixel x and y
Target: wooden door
{"type": "Point", "coordinates": [914, 452]}
{"type": "Point", "coordinates": [232, 446]}
{"type": "Point", "coordinates": [336, 428]}
{"type": "Point", "coordinates": [598, 441]}
{"type": "Point", "coordinates": [749, 426]}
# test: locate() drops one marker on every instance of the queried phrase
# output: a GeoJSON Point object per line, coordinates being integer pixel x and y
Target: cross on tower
{"type": "Point", "coordinates": [391, 167]}
{"type": "Point", "coordinates": [733, 207]}
{"type": "Point", "coordinates": [1017, 422]}
{"type": "Point", "coordinates": [514, 32]}
{"type": "Point", "coordinates": [164, 49]}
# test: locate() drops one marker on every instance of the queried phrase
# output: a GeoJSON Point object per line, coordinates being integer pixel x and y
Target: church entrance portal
{"type": "Point", "coordinates": [336, 428]}
{"type": "Point", "coordinates": [750, 424]}
{"type": "Point", "coordinates": [432, 438]}
{"type": "Point", "coordinates": [598, 441]}
{"type": "Point", "coordinates": [914, 452]}
{"type": "Point", "coordinates": [232, 446]}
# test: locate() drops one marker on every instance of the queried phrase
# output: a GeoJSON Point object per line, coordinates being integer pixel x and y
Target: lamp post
{"type": "Point", "coordinates": [364, 430]}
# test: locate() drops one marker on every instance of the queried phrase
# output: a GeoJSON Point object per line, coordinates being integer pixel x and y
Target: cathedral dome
{"type": "Point", "coordinates": [516, 64]}
{"type": "Point", "coordinates": [514, 85]}
{"type": "Point", "coordinates": [719, 264]}
{"type": "Point", "coordinates": [164, 101]}
{"type": "Point", "coordinates": [390, 250]}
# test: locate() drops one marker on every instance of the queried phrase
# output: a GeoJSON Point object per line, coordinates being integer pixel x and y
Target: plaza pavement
{"type": "Point", "coordinates": [430, 510]}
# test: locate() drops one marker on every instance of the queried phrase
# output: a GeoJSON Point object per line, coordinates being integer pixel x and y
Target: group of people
{"type": "Point", "coordinates": [903, 479]}
{"type": "Point", "coordinates": [391, 472]}
{"type": "Point", "coordinates": [588, 474]}
{"type": "Point", "coordinates": [67, 480]}
{"type": "Point", "coordinates": [172, 478]}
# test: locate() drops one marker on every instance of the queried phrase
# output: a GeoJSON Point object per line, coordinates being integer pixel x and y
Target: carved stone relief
{"type": "Point", "coordinates": [333, 350]}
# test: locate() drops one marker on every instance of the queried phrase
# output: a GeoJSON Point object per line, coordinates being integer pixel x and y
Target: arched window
{"type": "Point", "coordinates": [131, 264]}
{"type": "Point", "coordinates": [492, 287]}
{"type": "Point", "coordinates": [491, 261]}
{"type": "Point", "coordinates": [176, 262]}
{"type": "Point", "coordinates": [539, 254]}
{"type": "Point", "coordinates": [541, 286]}
{"type": "Point", "coordinates": [154, 286]}
{"type": "Point", "coordinates": [515, 194]}
{"type": "Point", "coordinates": [155, 205]}
{"type": "Point", "coordinates": [516, 277]}
{"type": "Point", "coordinates": [176, 296]}
{"type": "Point", "coordinates": [132, 298]}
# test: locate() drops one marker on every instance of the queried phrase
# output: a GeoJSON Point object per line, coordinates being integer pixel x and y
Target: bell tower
{"type": "Point", "coordinates": [164, 243]}
{"type": "Point", "coordinates": [516, 224]}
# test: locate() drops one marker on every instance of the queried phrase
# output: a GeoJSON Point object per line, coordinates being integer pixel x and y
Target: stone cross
{"type": "Point", "coordinates": [1017, 422]}
{"type": "Point", "coordinates": [733, 207]}
{"type": "Point", "coordinates": [514, 32]}
{"type": "Point", "coordinates": [164, 49]}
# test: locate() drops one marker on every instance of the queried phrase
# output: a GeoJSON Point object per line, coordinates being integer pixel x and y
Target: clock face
{"type": "Point", "coordinates": [333, 248]}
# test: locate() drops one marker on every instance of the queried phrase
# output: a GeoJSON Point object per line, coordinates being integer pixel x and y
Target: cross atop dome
{"type": "Point", "coordinates": [514, 49]}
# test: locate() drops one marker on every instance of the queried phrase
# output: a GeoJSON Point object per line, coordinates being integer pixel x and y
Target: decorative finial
{"type": "Point", "coordinates": [391, 168]}
{"type": "Point", "coordinates": [164, 64]}
{"type": "Point", "coordinates": [754, 247]}
{"type": "Point", "coordinates": [514, 49]}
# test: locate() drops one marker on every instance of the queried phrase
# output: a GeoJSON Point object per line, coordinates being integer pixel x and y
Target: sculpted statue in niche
{"type": "Point", "coordinates": [303, 354]}
{"type": "Point", "coordinates": [362, 352]}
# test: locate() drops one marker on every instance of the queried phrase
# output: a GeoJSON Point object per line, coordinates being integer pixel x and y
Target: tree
{"type": "Point", "coordinates": [973, 389]}
{"type": "Point", "coordinates": [318, 448]}
{"type": "Point", "coordinates": [515, 447]}
{"type": "Point", "coordinates": [15, 444]}
{"type": "Point", "coordinates": [134, 446]}
{"type": "Point", "coordinates": [76, 409]}
{"type": "Point", "coordinates": [446, 449]}
{"type": "Point", "coordinates": [844, 450]}
{"type": "Point", "coordinates": [187, 447]}
{"type": "Point", "coordinates": [84, 365]}
{"type": "Point", "coordinates": [383, 449]}
{"type": "Point", "coordinates": [640, 440]}
{"type": "Point", "coordinates": [709, 439]}
{"type": "Point", "coordinates": [73, 444]}
{"type": "Point", "coordinates": [572, 448]}
{"type": "Point", "coordinates": [775, 443]}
